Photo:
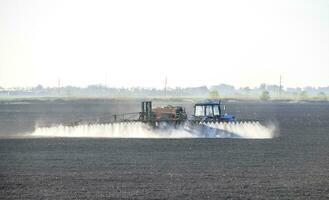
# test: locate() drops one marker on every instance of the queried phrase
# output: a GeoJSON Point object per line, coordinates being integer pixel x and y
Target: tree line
{"type": "Point", "coordinates": [263, 92]}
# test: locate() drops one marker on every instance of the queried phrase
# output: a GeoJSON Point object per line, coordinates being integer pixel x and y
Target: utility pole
{"type": "Point", "coordinates": [280, 87]}
{"type": "Point", "coordinates": [59, 86]}
{"type": "Point", "coordinates": [165, 88]}
{"type": "Point", "coordinates": [105, 83]}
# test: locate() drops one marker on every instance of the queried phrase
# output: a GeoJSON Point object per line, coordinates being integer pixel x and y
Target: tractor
{"type": "Point", "coordinates": [210, 111]}
{"type": "Point", "coordinates": [175, 116]}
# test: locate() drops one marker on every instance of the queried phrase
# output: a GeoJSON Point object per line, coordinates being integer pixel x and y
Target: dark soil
{"type": "Point", "coordinates": [292, 166]}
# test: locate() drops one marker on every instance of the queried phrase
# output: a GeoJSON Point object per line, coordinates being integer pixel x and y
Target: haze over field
{"type": "Point", "coordinates": [139, 43]}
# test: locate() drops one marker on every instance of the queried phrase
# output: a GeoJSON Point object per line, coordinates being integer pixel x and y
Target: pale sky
{"type": "Point", "coordinates": [139, 43]}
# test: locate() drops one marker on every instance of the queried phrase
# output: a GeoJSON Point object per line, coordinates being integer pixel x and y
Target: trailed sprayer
{"type": "Point", "coordinates": [209, 120]}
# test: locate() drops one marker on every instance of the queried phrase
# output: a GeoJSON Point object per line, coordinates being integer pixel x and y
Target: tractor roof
{"type": "Point", "coordinates": [208, 102]}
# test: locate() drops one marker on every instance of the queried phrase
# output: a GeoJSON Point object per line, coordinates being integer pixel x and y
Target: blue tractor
{"type": "Point", "coordinates": [210, 111]}
{"type": "Point", "coordinates": [209, 120]}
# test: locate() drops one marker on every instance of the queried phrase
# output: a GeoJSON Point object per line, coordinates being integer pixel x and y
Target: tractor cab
{"type": "Point", "coordinates": [210, 111]}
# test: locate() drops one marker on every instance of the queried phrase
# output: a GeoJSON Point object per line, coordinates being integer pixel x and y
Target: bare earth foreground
{"type": "Point", "coordinates": [292, 166]}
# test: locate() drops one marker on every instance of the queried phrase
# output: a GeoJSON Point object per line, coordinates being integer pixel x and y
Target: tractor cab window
{"type": "Point", "coordinates": [199, 111]}
{"type": "Point", "coordinates": [216, 110]}
{"type": "Point", "coordinates": [209, 111]}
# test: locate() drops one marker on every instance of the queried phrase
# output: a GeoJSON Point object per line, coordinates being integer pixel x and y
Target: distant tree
{"type": "Point", "coordinates": [265, 96]}
{"type": "Point", "coordinates": [214, 94]}
{"type": "Point", "coordinates": [39, 87]}
{"type": "Point", "coordinates": [321, 96]}
{"type": "Point", "coordinates": [246, 89]}
{"type": "Point", "coordinates": [273, 88]}
{"type": "Point", "coordinates": [224, 89]}
{"type": "Point", "coordinates": [262, 86]}
{"type": "Point", "coordinates": [303, 95]}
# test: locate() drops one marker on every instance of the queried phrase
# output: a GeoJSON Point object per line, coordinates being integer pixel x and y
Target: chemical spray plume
{"type": "Point", "coordinates": [140, 130]}
{"type": "Point", "coordinates": [248, 130]}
